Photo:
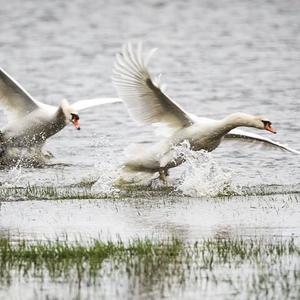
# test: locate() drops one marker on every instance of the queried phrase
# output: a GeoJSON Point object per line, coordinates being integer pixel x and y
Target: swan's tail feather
{"type": "Point", "coordinates": [130, 168]}
{"type": "Point", "coordinates": [132, 175]}
{"type": "Point", "coordinates": [141, 157]}
{"type": "Point", "coordinates": [141, 164]}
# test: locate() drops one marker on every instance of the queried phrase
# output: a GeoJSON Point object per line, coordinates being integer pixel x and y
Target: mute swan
{"type": "Point", "coordinates": [148, 104]}
{"type": "Point", "coordinates": [31, 123]}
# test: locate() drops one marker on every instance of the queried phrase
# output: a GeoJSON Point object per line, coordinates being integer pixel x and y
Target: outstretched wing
{"type": "Point", "coordinates": [237, 134]}
{"type": "Point", "coordinates": [146, 102]}
{"type": "Point", "coordinates": [13, 98]}
{"type": "Point", "coordinates": [85, 104]}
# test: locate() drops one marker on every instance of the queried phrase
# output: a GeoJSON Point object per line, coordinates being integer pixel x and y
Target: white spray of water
{"type": "Point", "coordinates": [15, 175]}
{"type": "Point", "coordinates": [106, 168]}
{"type": "Point", "coordinates": [200, 175]}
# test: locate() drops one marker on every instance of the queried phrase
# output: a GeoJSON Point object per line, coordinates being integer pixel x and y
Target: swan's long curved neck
{"type": "Point", "coordinates": [54, 123]}
{"type": "Point", "coordinates": [58, 121]}
{"type": "Point", "coordinates": [237, 120]}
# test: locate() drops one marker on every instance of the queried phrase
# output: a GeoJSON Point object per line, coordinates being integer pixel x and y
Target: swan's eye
{"type": "Point", "coordinates": [74, 117]}
{"type": "Point", "coordinates": [266, 123]}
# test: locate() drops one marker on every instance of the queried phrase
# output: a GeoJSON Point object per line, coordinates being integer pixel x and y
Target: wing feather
{"type": "Point", "coordinates": [85, 104]}
{"type": "Point", "coordinates": [236, 134]}
{"type": "Point", "coordinates": [14, 98]}
{"type": "Point", "coordinates": [146, 102]}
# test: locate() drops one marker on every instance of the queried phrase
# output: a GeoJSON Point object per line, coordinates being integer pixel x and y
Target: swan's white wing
{"type": "Point", "coordinates": [252, 137]}
{"type": "Point", "coordinates": [85, 104]}
{"type": "Point", "coordinates": [146, 102]}
{"type": "Point", "coordinates": [14, 98]}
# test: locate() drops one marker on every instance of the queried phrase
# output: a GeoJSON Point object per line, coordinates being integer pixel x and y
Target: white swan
{"type": "Point", "coordinates": [31, 123]}
{"type": "Point", "coordinates": [148, 104]}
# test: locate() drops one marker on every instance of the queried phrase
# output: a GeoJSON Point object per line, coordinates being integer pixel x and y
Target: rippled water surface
{"type": "Point", "coordinates": [216, 58]}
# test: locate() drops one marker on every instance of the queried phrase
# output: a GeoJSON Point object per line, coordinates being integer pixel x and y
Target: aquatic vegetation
{"type": "Point", "coordinates": [60, 259]}
{"type": "Point", "coordinates": [35, 192]}
{"type": "Point", "coordinates": [86, 182]}
{"type": "Point", "coordinates": [252, 268]}
{"type": "Point", "coordinates": [263, 190]}
{"type": "Point", "coordinates": [84, 190]}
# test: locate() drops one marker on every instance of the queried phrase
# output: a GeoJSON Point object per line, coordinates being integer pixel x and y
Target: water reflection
{"type": "Point", "coordinates": [188, 218]}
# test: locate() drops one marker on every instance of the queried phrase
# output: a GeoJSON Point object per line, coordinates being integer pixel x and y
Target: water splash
{"type": "Point", "coordinates": [14, 177]}
{"type": "Point", "coordinates": [200, 175]}
{"type": "Point", "coordinates": [106, 169]}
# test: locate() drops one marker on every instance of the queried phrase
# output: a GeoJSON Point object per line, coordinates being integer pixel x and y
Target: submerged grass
{"type": "Point", "coordinates": [78, 191]}
{"type": "Point", "coordinates": [84, 190]}
{"type": "Point", "coordinates": [32, 192]}
{"type": "Point", "coordinates": [255, 268]}
{"type": "Point", "coordinates": [62, 259]}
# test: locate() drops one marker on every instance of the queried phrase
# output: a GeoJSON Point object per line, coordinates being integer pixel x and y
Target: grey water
{"type": "Point", "coordinates": [216, 57]}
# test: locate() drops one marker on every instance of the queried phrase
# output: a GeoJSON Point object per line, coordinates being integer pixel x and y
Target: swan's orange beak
{"type": "Point", "coordinates": [76, 123]}
{"type": "Point", "coordinates": [270, 128]}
